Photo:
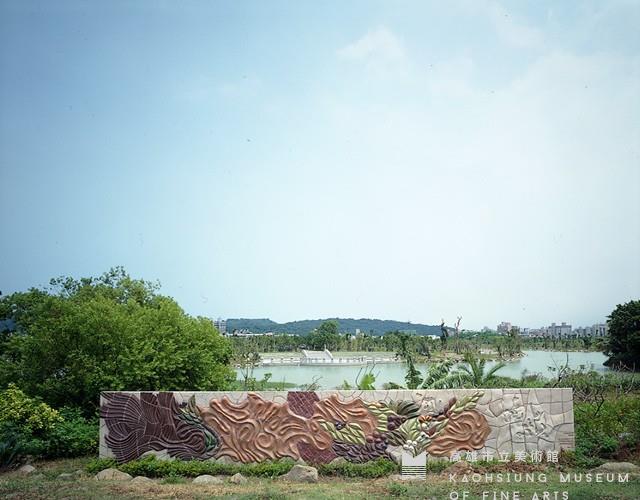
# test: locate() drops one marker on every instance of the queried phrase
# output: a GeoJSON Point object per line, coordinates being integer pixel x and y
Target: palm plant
{"type": "Point", "coordinates": [472, 373]}
{"type": "Point", "coordinates": [441, 376]}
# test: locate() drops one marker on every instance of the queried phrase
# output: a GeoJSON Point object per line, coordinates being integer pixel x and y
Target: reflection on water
{"type": "Point", "coordinates": [333, 376]}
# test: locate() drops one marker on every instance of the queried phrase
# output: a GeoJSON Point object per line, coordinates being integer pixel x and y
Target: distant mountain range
{"type": "Point", "coordinates": [347, 325]}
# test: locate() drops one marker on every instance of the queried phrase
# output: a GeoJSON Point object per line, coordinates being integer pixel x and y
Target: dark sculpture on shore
{"type": "Point", "coordinates": [444, 333]}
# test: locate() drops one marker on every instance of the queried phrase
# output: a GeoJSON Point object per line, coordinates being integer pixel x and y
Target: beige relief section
{"type": "Point", "coordinates": [317, 427]}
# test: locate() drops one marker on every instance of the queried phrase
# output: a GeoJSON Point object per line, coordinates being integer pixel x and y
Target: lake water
{"type": "Point", "coordinates": [333, 376]}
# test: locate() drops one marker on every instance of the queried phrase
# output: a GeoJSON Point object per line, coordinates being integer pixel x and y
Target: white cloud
{"type": "Point", "coordinates": [514, 190]}
{"type": "Point", "coordinates": [377, 46]}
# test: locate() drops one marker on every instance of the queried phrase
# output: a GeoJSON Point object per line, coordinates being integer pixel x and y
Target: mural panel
{"type": "Point", "coordinates": [318, 427]}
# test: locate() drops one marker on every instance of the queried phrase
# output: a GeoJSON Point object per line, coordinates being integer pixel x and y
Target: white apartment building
{"type": "Point", "coordinates": [559, 331]}
{"type": "Point", "coordinates": [597, 330]}
{"type": "Point", "coordinates": [221, 325]}
{"type": "Point", "coordinates": [600, 330]}
{"type": "Point", "coordinates": [583, 331]}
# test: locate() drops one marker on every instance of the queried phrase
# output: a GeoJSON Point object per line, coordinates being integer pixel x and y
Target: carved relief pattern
{"type": "Point", "coordinates": [255, 430]}
{"type": "Point", "coordinates": [301, 402]}
{"type": "Point", "coordinates": [465, 432]}
{"type": "Point", "coordinates": [149, 422]}
{"type": "Point", "coordinates": [304, 426]}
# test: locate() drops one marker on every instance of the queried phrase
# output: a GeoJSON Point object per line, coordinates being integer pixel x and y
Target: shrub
{"type": "Point", "coordinates": [590, 386]}
{"type": "Point", "coordinates": [11, 448]}
{"type": "Point", "coordinates": [153, 467]}
{"type": "Point", "coordinates": [74, 436]}
{"type": "Point", "coordinates": [437, 465]}
{"type": "Point", "coordinates": [28, 414]}
{"type": "Point", "coordinates": [398, 490]}
{"type": "Point", "coordinates": [24, 421]}
{"type": "Point", "coordinates": [607, 429]}
{"type": "Point", "coordinates": [30, 427]}
{"type": "Point", "coordinates": [97, 464]}
{"type": "Point", "coordinates": [376, 468]}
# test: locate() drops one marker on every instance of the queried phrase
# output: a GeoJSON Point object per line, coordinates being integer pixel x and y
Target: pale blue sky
{"type": "Point", "coordinates": [399, 160]}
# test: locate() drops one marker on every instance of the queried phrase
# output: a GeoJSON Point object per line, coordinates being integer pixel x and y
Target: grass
{"type": "Point", "coordinates": [437, 486]}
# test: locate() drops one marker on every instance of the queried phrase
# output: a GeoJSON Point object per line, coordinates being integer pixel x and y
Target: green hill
{"type": "Point", "coordinates": [347, 325]}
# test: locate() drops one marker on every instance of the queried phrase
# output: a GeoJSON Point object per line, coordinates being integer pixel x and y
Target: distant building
{"type": "Point", "coordinates": [559, 331]}
{"type": "Point", "coordinates": [600, 330]}
{"type": "Point", "coordinates": [221, 325]}
{"type": "Point", "coordinates": [504, 327]}
{"type": "Point", "coordinates": [597, 330]}
{"type": "Point", "coordinates": [537, 332]}
{"type": "Point", "coordinates": [241, 332]}
{"type": "Point", "coordinates": [244, 332]}
{"type": "Point", "coordinates": [583, 331]}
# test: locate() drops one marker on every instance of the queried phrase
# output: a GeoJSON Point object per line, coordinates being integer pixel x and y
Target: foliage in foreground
{"type": "Point", "coordinates": [79, 337]}
{"type": "Point", "coordinates": [376, 468]}
{"type": "Point", "coordinates": [607, 429]}
{"type": "Point", "coordinates": [31, 415]}
{"type": "Point", "coordinates": [153, 467]}
{"type": "Point", "coordinates": [30, 427]}
{"type": "Point", "coordinates": [261, 489]}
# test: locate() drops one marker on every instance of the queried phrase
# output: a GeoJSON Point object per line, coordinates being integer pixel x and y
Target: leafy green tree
{"type": "Point", "coordinates": [246, 358]}
{"type": "Point", "coordinates": [413, 377]}
{"type": "Point", "coordinates": [79, 337]}
{"type": "Point", "coordinates": [623, 346]}
{"type": "Point", "coordinates": [512, 343]}
{"type": "Point", "coordinates": [326, 335]}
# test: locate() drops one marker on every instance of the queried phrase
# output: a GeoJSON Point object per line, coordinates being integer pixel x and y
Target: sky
{"type": "Point", "coordinates": [302, 159]}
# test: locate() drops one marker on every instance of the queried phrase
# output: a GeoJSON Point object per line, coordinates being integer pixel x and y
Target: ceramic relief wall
{"type": "Point", "coordinates": [318, 427]}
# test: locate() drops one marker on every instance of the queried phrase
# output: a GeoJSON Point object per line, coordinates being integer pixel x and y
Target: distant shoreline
{"type": "Point", "coordinates": [364, 358]}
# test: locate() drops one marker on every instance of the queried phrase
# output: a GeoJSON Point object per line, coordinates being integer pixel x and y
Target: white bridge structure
{"type": "Point", "coordinates": [312, 357]}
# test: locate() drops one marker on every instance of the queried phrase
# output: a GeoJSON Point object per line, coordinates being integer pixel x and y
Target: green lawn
{"type": "Point", "coordinates": [437, 486]}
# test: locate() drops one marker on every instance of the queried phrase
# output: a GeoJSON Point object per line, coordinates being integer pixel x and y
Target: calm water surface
{"type": "Point", "coordinates": [333, 376]}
